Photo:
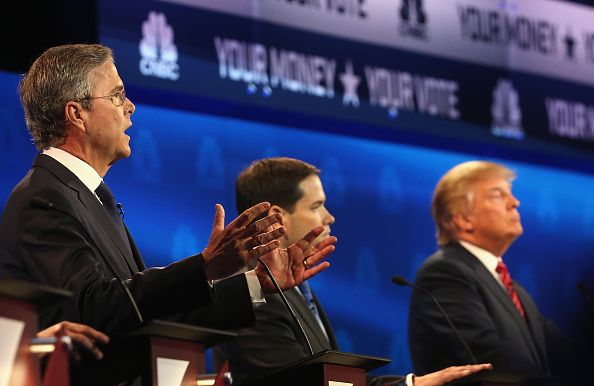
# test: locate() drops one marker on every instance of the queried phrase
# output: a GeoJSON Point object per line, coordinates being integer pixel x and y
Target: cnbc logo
{"type": "Point", "coordinates": [413, 19]}
{"type": "Point", "coordinates": [157, 49]}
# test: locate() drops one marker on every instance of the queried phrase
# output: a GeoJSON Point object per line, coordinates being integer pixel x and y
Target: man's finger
{"type": "Point", "coordinates": [263, 250]}
{"type": "Point", "coordinates": [50, 331]}
{"type": "Point", "coordinates": [249, 215]}
{"type": "Point", "coordinates": [87, 343]}
{"type": "Point", "coordinates": [304, 243]}
{"type": "Point", "coordinates": [323, 252]}
{"type": "Point", "coordinates": [455, 372]}
{"type": "Point", "coordinates": [330, 240]}
{"type": "Point", "coordinates": [320, 255]}
{"type": "Point", "coordinates": [311, 272]}
{"type": "Point", "coordinates": [82, 340]}
{"type": "Point", "coordinates": [264, 238]}
{"type": "Point", "coordinates": [218, 223]}
{"type": "Point", "coordinates": [262, 225]}
{"type": "Point", "coordinates": [91, 332]}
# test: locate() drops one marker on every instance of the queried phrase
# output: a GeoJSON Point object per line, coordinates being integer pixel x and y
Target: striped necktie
{"type": "Point", "coordinates": [505, 277]}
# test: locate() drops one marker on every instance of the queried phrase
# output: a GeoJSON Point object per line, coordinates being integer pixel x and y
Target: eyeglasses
{"type": "Point", "coordinates": [118, 99]}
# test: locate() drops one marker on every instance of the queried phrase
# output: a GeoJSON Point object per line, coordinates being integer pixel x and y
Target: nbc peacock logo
{"type": "Point", "coordinates": [157, 48]}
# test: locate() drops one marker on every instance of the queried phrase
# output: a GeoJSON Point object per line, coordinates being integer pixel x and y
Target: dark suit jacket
{"type": "Point", "coordinates": [275, 340]}
{"type": "Point", "coordinates": [54, 231]}
{"type": "Point", "coordinates": [483, 313]}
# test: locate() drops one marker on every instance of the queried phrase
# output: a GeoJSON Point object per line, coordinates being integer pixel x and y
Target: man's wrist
{"type": "Point", "coordinates": [410, 379]}
{"type": "Point", "coordinates": [255, 288]}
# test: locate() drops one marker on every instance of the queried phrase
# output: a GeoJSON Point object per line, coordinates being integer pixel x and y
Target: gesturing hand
{"type": "Point", "coordinates": [232, 247]}
{"type": "Point", "coordinates": [82, 336]}
{"type": "Point", "coordinates": [450, 374]}
{"type": "Point", "coordinates": [299, 262]}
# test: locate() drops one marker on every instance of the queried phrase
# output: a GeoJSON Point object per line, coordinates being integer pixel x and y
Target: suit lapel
{"type": "Point", "coordinates": [533, 319]}
{"type": "Point", "coordinates": [502, 297]}
{"type": "Point", "coordinates": [307, 319]}
{"type": "Point", "coordinates": [326, 322]}
{"type": "Point", "coordinates": [135, 251]}
{"type": "Point", "coordinates": [96, 220]}
{"type": "Point", "coordinates": [99, 214]}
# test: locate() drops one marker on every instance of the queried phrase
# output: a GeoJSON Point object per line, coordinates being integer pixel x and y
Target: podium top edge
{"type": "Point", "coordinates": [366, 362]}
{"type": "Point", "coordinates": [31, 292]}
{"type": "Point", "coordinates": [332, 357]}
{"type": "Point", "coordinates": [190, 332]}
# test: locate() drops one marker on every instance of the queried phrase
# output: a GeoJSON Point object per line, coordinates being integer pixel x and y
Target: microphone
{"type": "Point", "coordinates": [403, 282]}
{"type": "Point", "coordinates": [42, 203]}
{"type": "Point", "coordinates": [120, 210]}
{"type": "Point", "coordinates": [286, 302]}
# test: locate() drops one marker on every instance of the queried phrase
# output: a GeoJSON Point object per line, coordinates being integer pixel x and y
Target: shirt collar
{"type": "Point", "coordinates": [85, 172]}
{"type": "Point", "coordinates": [488, 259]}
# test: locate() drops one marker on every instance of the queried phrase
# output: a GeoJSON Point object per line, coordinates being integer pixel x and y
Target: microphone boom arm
{"type": "Point", "coordinates": [289, 308]}
{"type": "Point", "coordinates": [402, 281]}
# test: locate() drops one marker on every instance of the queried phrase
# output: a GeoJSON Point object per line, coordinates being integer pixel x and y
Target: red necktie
{"type": "Point", "coordinates": [509, 286]}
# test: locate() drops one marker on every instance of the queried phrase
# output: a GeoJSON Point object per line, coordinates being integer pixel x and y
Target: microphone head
{"type": "Point", "coordinates": [41, 203]}
{"type": "Point", "coordinates": [400, 280]}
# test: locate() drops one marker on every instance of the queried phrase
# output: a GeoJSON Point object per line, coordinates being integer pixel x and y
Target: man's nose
{"type": "Point", "coordinates": [329, 219]}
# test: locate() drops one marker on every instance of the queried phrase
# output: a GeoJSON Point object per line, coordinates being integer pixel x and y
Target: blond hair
{"type": "Point", "coordinates": [453, 194]}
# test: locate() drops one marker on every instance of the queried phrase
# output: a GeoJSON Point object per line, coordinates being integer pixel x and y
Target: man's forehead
{"type": "Point", "coordinates": [493, 182]}
{"type": "Point", "coordinates": [106, 75]}
{"type": "Point", "coordinates": [312, 188]}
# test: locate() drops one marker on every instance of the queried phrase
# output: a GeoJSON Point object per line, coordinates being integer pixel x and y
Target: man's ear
{"type": "Point", "coordinates": [463, 223]}
{"type": "Point", "coordinates": [75, 115]}
{"type": "Point", "coordinates": [277, 209]}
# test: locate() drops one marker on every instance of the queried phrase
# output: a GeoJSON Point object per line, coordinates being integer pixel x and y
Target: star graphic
{"type": "Point", "coordinates": [569, 46]}
{"type": "Point", "coordinates": [350, 81]}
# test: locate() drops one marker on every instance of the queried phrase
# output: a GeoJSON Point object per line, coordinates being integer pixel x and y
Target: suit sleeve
{"type": "Point", "coordinates": [55, 249]}
{"type": "Point", "coordinates": [232, 307]}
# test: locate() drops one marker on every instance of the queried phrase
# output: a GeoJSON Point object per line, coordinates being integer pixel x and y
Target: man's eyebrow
{"type": "Point", "coordinates": [117, 88]}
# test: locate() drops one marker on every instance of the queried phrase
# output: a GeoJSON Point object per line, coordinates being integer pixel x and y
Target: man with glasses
{"type": "Point", "coordinates": [60, 226]}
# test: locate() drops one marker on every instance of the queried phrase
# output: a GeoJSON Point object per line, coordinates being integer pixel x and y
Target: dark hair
{"type": "Point", "coordinates": [275, 180]}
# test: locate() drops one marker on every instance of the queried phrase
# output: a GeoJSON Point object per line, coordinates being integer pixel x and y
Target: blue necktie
{"type": "Point", "coordinates": [309, 299]}
{"type": "Point", "coordinates": [109, 203]}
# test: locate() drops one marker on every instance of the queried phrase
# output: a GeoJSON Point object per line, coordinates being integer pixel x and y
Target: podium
{"type": "Point", "coordinates": [326, 368]}
{"type": "Point", "coordinates": [158, 353]}
{"type": "Point", "coordinates": [20, 302]}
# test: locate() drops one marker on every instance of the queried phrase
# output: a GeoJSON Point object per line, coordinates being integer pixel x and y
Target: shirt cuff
{"type": "Point", "coordinates": [410, 379]}
{"type": "Point", "coordinates": [255, 288]}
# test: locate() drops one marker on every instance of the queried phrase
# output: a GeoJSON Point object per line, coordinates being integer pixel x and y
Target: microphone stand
{"type": "Point", "coordinates": [402, 281]}
{"type": "Point", "coordinates": [286, 302]}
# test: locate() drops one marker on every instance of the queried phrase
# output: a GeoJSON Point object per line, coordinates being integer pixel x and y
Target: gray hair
{"type": "Point", "coordinates": [59, 75]}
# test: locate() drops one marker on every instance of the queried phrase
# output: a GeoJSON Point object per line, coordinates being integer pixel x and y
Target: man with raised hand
{"type": "Point", "coordinates": [60, 226]}
{"type": "Point", "coordinates": [294, 190]}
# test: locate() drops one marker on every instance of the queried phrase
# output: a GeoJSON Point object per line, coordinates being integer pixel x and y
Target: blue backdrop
{"type": "Point", "coordinates": [184, 162]}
